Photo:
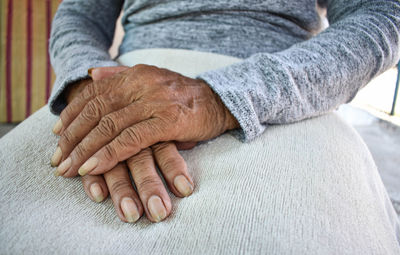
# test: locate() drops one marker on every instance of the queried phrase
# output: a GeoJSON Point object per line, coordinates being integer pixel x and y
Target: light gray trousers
{"type": "Point", "coordinates": [304, 188]}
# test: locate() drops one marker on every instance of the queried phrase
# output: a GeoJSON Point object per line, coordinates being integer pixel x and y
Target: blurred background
{"type": "Point", "coordinates": [26, 78]}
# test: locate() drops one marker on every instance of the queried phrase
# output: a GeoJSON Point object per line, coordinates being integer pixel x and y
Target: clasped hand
{"type": "Point", "coordinates": [133, 114]}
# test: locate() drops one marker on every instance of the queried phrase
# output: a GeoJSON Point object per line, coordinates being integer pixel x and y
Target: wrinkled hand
{"type": "Point", "coordinates": [151, 196]}
{"type": "Point", "coordinates": [152, 193]}
{"type": "Point", "coordinates": [115, 118]}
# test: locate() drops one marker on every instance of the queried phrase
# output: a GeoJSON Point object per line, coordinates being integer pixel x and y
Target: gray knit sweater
{"type": "Point", "coordinates": [291, 70]}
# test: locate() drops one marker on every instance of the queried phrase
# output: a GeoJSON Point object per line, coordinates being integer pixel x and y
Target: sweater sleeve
{"type": "Point", "coordinates": [82, 32]}
{"type": "Point", "coordinates": [315, 76]}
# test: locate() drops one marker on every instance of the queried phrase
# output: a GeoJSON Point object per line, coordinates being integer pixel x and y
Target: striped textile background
{"type": "Point", "coordinates": [26, 76]}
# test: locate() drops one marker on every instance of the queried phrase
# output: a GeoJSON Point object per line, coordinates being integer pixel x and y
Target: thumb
{"type": "Point", "coordinates": [99, 73]}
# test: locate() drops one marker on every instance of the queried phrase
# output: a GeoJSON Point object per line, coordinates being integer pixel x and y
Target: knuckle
{"type": "Point", "coordinates": [80, 151]}
{"type": "Point", "coordinates": [160, 148]}
{"type": "Point", "coordinates": [93, 109]}
{"type": "Point", "coordinates": [66, 114]}
{"type": "Point", "coordinates": [89, 91]}
{"type": "Point", "coordinates": [67, 138]}
{"type": "Point", "coordinates": [141, 160]}
{"type": "Point", "coordinates": [147, 71]}
{"type": "Point", "coordinates": [121, 186]}
{"type": "Point", "coordinates": [108, 126]}
{"type": "Point", "coordinates": [132, 135]}
{"type": "Point", "coordinates": [109, 153]}
{"type": "Point", "coordinates": [140, 67]}
{"type": "Point", "coordinates": [148, 183]}
{"type": "Point", "coordinates": [170, 163]}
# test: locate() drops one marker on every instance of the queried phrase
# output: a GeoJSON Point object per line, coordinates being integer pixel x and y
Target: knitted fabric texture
{"type": "Point", "coordinates": [292, 69]}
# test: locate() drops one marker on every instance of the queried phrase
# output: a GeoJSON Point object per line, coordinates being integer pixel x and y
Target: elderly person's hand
{"type": "Point", "coordinates": [151, 190]}
{"type": "Point", "coordinates": [115, 118]}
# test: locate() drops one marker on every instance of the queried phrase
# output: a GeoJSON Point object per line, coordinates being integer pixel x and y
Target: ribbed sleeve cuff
{"type": "Point", "coordinates": [237, 100]}
{"type": "Point", "coordinates": [57, 100]}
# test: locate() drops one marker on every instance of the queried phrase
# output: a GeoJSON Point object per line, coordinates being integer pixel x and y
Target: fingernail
{"type": "Point", "coordinates": [88, 166]}
{"type": "Point", "coordinates": [56, 158]}
{"type": "Point", "coordinates": [63, 167]}
{"type": "Point", "coordinates": [183, 185]}
{"type": "Point", "coordinates": [96, 192]}
{"type": "Point", "coordinates": [156, 208]}
{"type": "Point", "coordinates": [89, 71]}
{"type": "Point", "coordinates": [129, 209]}
{"type": "Point", "coordinates": [57, 127]}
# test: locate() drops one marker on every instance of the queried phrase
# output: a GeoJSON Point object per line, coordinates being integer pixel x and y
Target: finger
{"type": "Point", "coordinates": [91, 91]}
{"type": "Point", "coordinates": [128, 143]}
{"type": "Point", "coordinates": [126, 202]}
{"type": "Point", "coordinates": [108, 128]}
{"type": "Point", "coordinates": [78, 103]}
{"type": "Point", "coordinates": [152, 193]}
{"type": "Point", "coordinates": [87, 118]}
{"type": "Point", "coordinates": [70, 93]}
{"type": "Point", "coordinates": [86, 121]}
{"type": "Point", "coordinates": [95, 187]}
{"type": "Point", "coordinates": [173, 168]}
{"type": "Point", "coordinates": [99, 73]}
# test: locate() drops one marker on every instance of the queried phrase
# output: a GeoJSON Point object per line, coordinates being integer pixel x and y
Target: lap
{"type": "Point", "coordinates": [308, 187]}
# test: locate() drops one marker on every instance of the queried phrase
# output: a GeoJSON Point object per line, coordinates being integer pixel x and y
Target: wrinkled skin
{"type": "Point", "coordinates": [115, 118]}
{"type": "Point", "coordinates": [183, 96]}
